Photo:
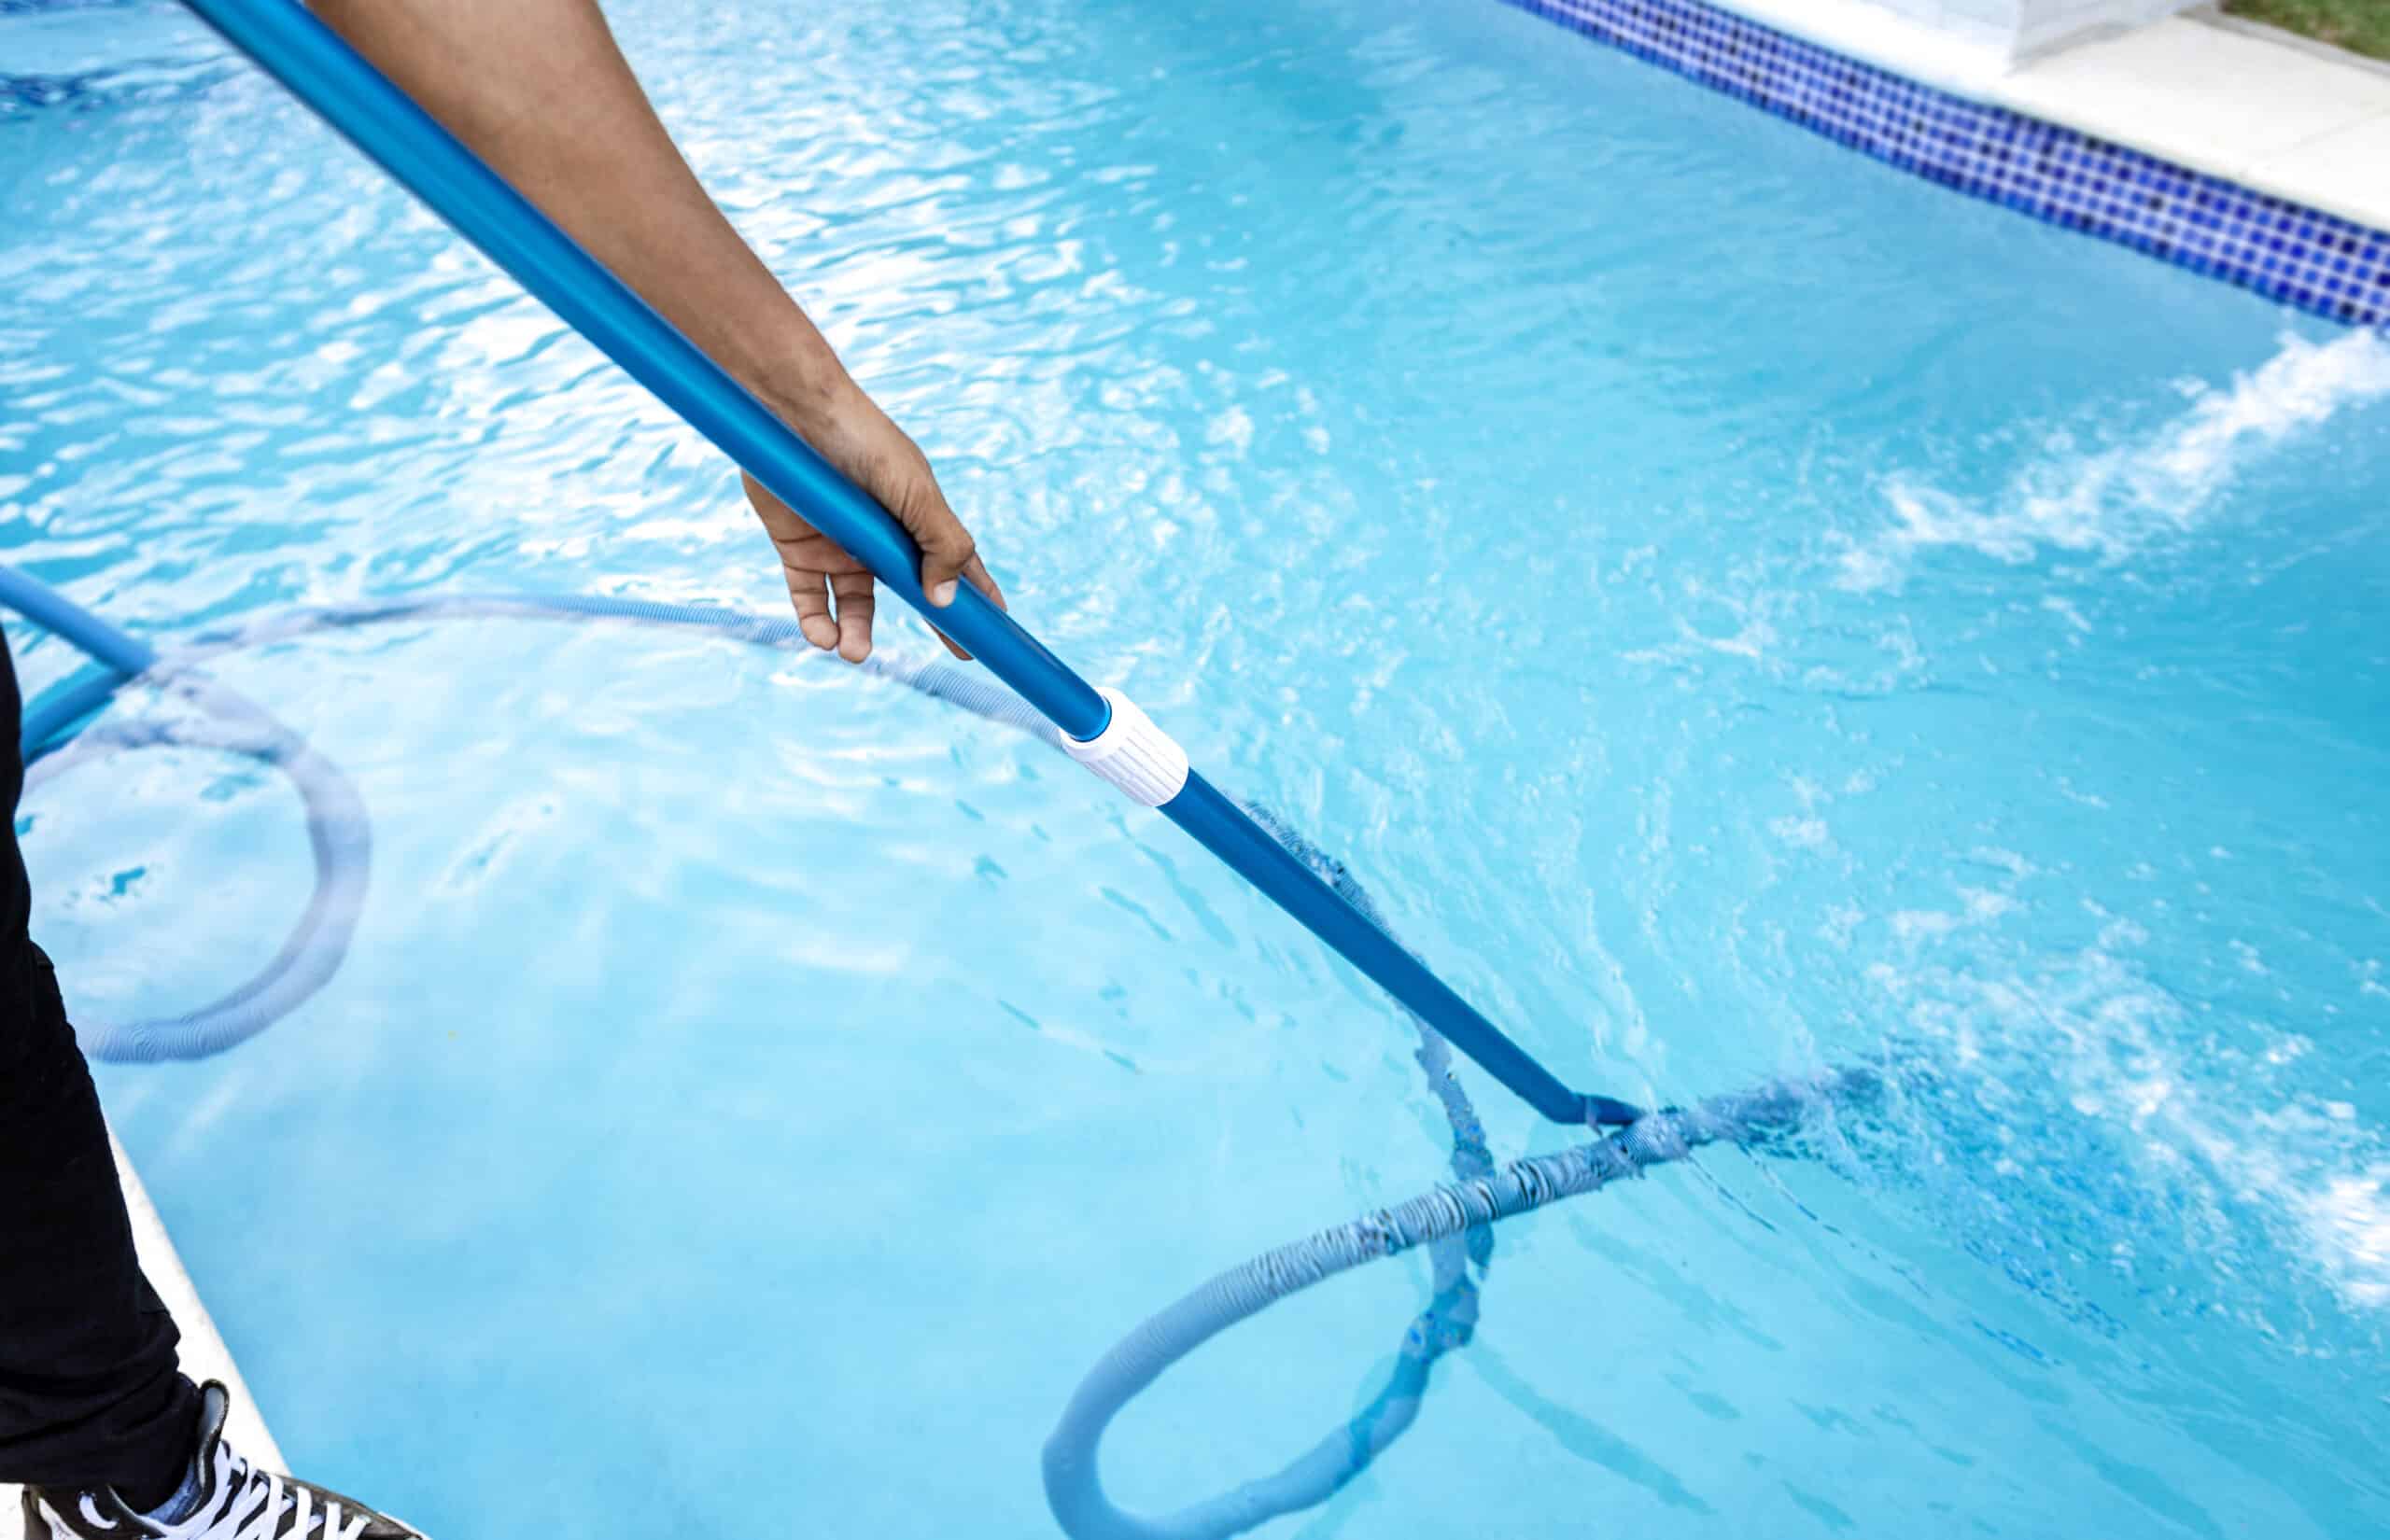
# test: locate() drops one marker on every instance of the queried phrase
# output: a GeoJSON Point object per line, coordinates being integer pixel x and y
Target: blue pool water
{"type": "Point", "coordinates": [1740, 609]}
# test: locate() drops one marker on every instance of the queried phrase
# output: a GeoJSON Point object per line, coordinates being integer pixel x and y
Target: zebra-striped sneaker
{"type": "Point", "coordinates": [224, 1500]}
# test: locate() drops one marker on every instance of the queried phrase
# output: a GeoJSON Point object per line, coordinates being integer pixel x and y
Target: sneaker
{"type": "Point", "coordinates": [222, 1499]}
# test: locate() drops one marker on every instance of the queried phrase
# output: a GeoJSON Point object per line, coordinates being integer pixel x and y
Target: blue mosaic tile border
{"type": "Point", "coordinates": [2303, 257]}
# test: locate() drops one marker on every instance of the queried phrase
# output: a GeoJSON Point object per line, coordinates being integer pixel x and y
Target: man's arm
{"type": "Point", "coordinates": [540, 91]}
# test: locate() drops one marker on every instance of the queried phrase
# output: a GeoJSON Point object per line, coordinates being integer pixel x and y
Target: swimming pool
{"type": "Point", "coordinates": [1739, 609]}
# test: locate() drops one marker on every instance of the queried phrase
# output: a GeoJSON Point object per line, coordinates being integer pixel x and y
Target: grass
{"type": "Point", "coordinates": [2360, 26]}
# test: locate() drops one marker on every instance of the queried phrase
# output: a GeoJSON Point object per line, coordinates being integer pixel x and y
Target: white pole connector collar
{"type": "Point", "coordinates": [1132, 753]}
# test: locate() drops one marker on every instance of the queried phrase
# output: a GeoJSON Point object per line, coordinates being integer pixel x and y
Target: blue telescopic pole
{"type": "Point", "coordinates": [324, 72]}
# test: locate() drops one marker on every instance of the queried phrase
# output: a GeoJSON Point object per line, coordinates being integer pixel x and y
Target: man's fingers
{"type": "Point", "coordinates": [946, 545]}
{"type": "Point", "coordinates": [812, 601]}
{"type": "Point", "coordinates": [975, 572]}
{"type": "Point", "coordinates": [808, 550]}
{"type": "Point", "coordinates": [896, 474]}
{"type": "Point", "coordinates": [856, 601]}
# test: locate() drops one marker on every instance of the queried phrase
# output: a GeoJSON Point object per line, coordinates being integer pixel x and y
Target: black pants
{"type": "Point", "coordinates": [90, 1393]}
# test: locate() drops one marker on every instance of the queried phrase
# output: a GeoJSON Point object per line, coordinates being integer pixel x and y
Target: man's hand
{"type": "Point", "coordinates": [856, 436]}
{"type": "Point", "coordinates": [538, 88]}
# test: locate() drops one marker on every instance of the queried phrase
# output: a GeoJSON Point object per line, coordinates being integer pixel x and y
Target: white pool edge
{"type": "Point", "coordinates": [204, 1354]}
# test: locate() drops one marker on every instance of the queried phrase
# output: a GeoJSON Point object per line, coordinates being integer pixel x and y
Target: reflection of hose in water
{"type": "Point", "coordinates": [1453, 1221]}
{"type": "Point", "coordinates": [337, 832]}
{"type": "Point", "coordinates": [337, 826]}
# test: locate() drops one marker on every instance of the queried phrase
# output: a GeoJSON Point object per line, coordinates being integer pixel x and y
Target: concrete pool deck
{"type": "Point", "coordinates": [2272, 111]}
{"type": "Point", "coordinates": [2247, 103]}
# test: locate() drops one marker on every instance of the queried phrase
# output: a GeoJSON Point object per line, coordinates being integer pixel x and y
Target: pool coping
{"type": "Point", "coordinates": [2150, 88]}
{"type": "Point", "coordinates": [2230, 148]}
{"type": "Point", "coordinates": [204, 1356]}
{"type": "Point", "coordinates": [2154, 89]}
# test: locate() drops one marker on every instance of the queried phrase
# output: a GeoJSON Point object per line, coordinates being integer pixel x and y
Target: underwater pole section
{"type": "Point", "coordinates": [118, 656]}
{"type": "Point", "coordinates": [1073, 1485]}
{"type": "Point", "coordinates": [356, 99]}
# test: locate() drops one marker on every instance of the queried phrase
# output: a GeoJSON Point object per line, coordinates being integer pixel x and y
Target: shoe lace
{"type": "Point", "coordinates": [258, 1505]}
